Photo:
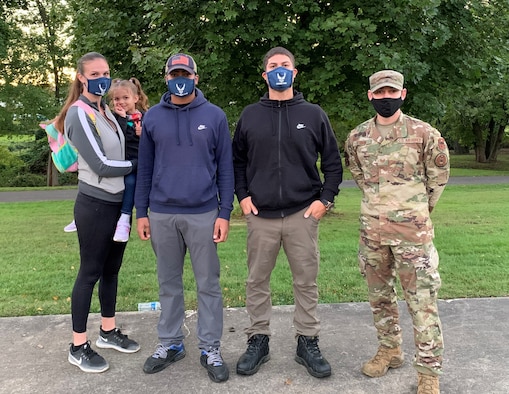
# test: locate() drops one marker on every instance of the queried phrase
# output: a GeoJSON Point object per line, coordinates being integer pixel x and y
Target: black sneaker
{"type": "Point", "coordinates": [86, 359]}
{"type": "Point", "coordinates": [216, 367]}
{"type": "Point", "coordinates": [256, 354]}
{"type": "Point", "coordinates": [164, 356]}
{"type": "Point", "coordinates": [118, 341]}
{"type": "Point", "coordinates": [309, 355]}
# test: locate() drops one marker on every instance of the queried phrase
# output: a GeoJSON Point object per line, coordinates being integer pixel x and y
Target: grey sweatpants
{"type": "Point", "coordinates": [171, 236]}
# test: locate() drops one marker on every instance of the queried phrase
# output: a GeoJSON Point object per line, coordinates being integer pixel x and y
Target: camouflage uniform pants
{"type": "Point", "coordinates": [417, 268]}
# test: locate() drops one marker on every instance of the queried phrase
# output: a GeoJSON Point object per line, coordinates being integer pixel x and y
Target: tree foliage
{"type": "Point", "coordinates": [123, 37]}
{"type": "Point", "coordinates": [33, 65]}
{"type": "Point", "coordinates": [448, 50]}
{"type": "Point", "coordinates": [453, 53]}
{"type": "Point", "coordinates": [478, 101]}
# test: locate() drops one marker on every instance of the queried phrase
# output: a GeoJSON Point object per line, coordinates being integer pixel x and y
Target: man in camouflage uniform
{"type": "Point", "coordinates": [401, 164]}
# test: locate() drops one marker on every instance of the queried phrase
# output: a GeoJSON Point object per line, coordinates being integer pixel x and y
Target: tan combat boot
{"type": "Point", "coordinates": [384, 359]}
{"type": "Point", "coordinates": [427, 384]}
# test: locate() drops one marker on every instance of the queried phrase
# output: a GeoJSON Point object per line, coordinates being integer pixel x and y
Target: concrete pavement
{"type": "Point", "coordinates": [34, 354]}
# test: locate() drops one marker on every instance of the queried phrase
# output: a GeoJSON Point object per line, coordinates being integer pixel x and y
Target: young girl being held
{"type": "Point", "coordinates": [129, 103]}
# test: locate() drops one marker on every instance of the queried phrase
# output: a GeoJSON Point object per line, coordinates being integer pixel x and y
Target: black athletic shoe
{"type": "Point", "coordinates": [164, 356]}
{"type": "Point", "coordinates": [118, 341]}
{"type": "Point", "coordinates": [86, 359]}
{"type": "Point", "coordinates": [216, 367]}
{"type": "Point", "coordinates": [256, 354]}
{"type": "Point", "coordinates": [309, 355]}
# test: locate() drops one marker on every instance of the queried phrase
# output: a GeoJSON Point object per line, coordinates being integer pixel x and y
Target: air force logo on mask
{"type": "Point", "coordinates": [280, 78]}
{"type": "Point", "coordinates": [180, 90]}
{"type": "Point", "coordinates": [102, 89]}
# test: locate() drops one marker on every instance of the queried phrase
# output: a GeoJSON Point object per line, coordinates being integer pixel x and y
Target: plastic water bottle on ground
{"type": "Point", "coordinates": [149, 306]}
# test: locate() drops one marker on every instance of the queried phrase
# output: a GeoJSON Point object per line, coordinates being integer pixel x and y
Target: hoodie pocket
{"type": "Point", "coordinates": [186, 186]}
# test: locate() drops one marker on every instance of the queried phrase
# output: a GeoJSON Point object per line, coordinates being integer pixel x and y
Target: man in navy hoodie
{"type": "Point", "coordinates": [185, 179]}
{"type": "Point", "coordinates": [275, 149]}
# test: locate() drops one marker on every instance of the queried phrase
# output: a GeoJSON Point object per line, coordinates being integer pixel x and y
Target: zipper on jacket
{"type": "Point", "coordinates": [279, 156]}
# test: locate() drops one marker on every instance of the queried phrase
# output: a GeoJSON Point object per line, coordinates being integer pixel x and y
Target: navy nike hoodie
{"type": "Point", "coordinates": [185, 159]}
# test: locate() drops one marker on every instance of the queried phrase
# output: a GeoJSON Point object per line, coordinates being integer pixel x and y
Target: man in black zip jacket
{"type": "Point", "coordinates": [276, 146]}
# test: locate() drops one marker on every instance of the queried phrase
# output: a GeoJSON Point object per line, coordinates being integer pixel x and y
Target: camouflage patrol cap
{"type": "Point", "coordinates": [383, 78]}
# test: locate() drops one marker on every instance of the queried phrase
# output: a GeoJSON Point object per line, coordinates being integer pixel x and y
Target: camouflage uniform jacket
{"type": "Point", "coordinates": [401, 176]}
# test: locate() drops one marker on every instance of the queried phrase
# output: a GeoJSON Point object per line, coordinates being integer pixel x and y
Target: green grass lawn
{"type": "Point", "coordinates": [39, 262]}
{"type": "Point", "coordinates": [465, 165]}
{"type": "Point", "coordinates": [461, 165]}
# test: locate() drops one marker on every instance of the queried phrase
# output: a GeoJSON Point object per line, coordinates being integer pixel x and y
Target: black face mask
{"type": "Point", "coordinates": [387, 107]}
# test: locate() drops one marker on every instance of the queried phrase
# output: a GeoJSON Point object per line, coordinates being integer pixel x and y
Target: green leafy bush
{"type": "Point", "coordinates": [8, 159]}
{"type": "Point", "coordinates": [27, 180]}
{"type": "Point", "coordinates": [68, 178]}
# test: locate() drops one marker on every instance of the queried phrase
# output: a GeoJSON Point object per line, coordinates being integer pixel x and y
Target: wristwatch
{"type": "Point", "coordinates": [328, 204]}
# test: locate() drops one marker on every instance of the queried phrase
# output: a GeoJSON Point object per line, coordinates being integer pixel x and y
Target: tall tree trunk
{"type": "Point", "coordinates": [498, 142]}
{"type": "Point", "coordinates": [51, 173]}
{"type": "Point", "coordinates": [490, 139]}
{"type": "Point", "coordinates": [479, 143]}
{"type": "Point", "coordinates": [460, 149]}
{"type": "Point", "coordinates": [50, 38]}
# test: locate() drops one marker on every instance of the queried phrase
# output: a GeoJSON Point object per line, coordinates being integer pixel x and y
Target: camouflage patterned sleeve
{"type": "Point", "coordinates": [352, 162]}
{"type": "Point", "coordinates": [437, 166]}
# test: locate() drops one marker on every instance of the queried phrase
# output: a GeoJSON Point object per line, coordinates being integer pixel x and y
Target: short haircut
{"type": "Point", "coordinates": [277, 51]}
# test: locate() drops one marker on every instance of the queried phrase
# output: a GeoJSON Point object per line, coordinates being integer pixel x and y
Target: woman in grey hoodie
{"type": "Point", "coordinates": [92, 129]}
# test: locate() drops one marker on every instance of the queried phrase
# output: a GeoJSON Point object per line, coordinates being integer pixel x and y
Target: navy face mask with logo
{"type": "Point", "coordinates": [181, 86]}
{"type": "Point", "coordinates": [98, 86]}
{"type": "Point", "coordinates": [280, 78]}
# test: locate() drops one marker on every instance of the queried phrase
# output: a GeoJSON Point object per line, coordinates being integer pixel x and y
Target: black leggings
{"type": "Point", "coordinates": [100, 258]}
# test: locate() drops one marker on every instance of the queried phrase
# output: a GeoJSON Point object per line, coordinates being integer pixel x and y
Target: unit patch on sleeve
{"type": "Point", "coordinates": [442, 146]}
{"type": "Point", "coordinates": [441, 160]}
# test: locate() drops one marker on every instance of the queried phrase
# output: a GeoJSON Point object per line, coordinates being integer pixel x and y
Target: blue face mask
{"type": "Point", "coordinates": [98, 86]}
{"type": "Point", "coordinates": [180, 86]}
{"type": "Point", "coordinates": [280, 78]}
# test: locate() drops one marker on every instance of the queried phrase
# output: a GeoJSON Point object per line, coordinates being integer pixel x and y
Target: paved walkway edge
{"type": "Point", "coordinates": [34, 354]}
